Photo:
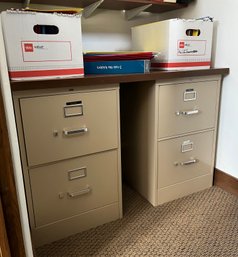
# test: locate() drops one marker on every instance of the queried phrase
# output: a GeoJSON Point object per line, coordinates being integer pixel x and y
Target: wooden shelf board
{"type": "Point", "coordinates": [110, 79]}
{"type": "Point", "coordinates": [157, 6]}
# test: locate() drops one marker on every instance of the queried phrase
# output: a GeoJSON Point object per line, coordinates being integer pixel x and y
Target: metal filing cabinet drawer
{"type": "Point", "coordinates": [187, 107]}
{"type": "Point", "coordinates": [71, 187]}
{"type": "Point", "coordinates": [63, 126]}
{"type": "Point", "coordinates": [185, 158]}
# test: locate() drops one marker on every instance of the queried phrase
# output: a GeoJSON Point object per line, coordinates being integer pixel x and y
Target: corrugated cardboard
{"type": "Point", "coordinates": [34, 54]}
{"type": "Point", "coordinates": [181, 44]}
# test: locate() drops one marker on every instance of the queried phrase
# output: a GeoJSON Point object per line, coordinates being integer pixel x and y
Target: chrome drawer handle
{"type": "Point", "coordinates": [189, 162]}
{"type": "Point", "coordinates": [75, 131]}
{"type": "Point", "coordinates": [193, 161]}
{"type": "Point", "coordinates": [186, 113]}
{"type": "Point", "coordinates": [81, 192]}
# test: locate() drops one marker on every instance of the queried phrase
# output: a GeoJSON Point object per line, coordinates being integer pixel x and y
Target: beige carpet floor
{"type": "Point", "coordinates": [204, 224]}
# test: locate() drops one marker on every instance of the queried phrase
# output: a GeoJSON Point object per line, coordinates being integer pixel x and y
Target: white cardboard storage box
{"type": "Point", "coordinates": [42, 45]}
{"type": "Point", "coordinates": [180, 44]}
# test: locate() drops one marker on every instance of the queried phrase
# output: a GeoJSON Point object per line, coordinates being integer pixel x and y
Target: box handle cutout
{"type": "Point", "coordinates": [193, 32]}
{"type": "Point", "coordinates": [46, 29]}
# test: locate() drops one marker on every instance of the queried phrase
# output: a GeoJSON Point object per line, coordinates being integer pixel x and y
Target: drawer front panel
{"type": "Point", "coordinates": [64, 126]}
{"type": "Point", "coordinates": [74, 186]}
{"type": "Point", "coordinates": [185, 158]}
{"type": "Point", "coordinates": [187, 107]}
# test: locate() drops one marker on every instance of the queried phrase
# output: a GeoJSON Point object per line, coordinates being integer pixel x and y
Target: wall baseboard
{"type": "Point", "coordinates": [225, 181]}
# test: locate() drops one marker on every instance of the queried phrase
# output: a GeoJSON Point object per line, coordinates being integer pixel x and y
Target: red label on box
{"type": "Point", "coordinates": [181, 44]}
{"type": "Point", "coordinates": [28, 47]}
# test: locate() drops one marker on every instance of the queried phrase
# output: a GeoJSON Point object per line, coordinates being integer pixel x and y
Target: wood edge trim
{"type": "Point", "coordinates": [113, 78]}
{"type": "Point", "coordinates": [8, 190]}
{"type": "Point", "coordinates": [4, 246]}
{"type": "Point", "coordinates": [225, 181]}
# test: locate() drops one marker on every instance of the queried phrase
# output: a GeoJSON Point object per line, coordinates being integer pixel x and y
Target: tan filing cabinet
{"type": "Point", "coordinates": [172, 136]}
{"type": "Point", "coordinates": [70, 146]}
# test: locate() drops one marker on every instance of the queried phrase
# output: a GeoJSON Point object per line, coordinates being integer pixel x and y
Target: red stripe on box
{"type": "Point", "coordinates": [42, 73]}
{"type": "Point", "coordinates": [180, 64]}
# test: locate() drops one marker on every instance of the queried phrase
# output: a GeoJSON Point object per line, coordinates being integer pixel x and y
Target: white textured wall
{"type": "Point", "coordinates": [225, 54]}
{"type": "Point", "coordinates": [109, 30]}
